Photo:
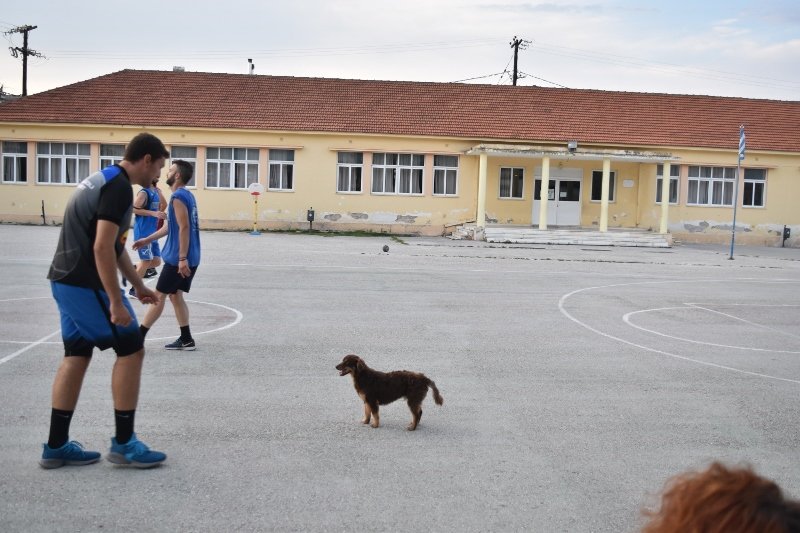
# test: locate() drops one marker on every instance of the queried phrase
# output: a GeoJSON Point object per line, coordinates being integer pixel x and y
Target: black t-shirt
{"type": "Point", "coordinates": [105, 195]}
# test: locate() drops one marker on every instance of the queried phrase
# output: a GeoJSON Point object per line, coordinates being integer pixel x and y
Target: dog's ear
{"type": "Point", "coordinates": [360, 364]}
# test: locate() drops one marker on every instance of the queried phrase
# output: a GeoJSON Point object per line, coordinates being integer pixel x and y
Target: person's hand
{"type": "Point", "coordinates": [139, 244]}
{"type": "Point", "coordinates": [120, 315]}
{"type": "Point", "coordinates": [161, 215]}
{"type": "Point", "coordinates": [146, 295]}
{"type": "Point", "coordinates": [183, 268]}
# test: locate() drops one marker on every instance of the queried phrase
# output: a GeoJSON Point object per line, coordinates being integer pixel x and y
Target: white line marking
{"type": "Point", "coordinates": [662, 352]}
{"type": "Point", "coordinates": [626, 319]}
{"type": "Point", "coordinates": [746, 321]}
{"type": "Point", "coordinates": [28, 347]}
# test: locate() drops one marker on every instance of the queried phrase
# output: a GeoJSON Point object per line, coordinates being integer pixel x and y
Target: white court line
{"type": "Point", "coordinates": [662, 352]}
{"type": "Point", "coordinates": [762, 326]}
{"type": "Point", "coordinates": [626, 319]}
{"type": "Point", "coordinates": [28, 347]}
{"type": "Point", "coordinates": [43, 340]}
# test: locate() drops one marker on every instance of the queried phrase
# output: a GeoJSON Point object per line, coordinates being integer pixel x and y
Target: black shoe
{"type": "Point", "coordinates": [132, 293]}
{"type": "Point", "coordinates": [151, 273]}
{"type": "Point", "coordinates": [180, 344]}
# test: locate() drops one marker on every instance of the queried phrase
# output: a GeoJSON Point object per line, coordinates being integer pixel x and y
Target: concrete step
{"type": "Point", "coordinates": [578, 237]}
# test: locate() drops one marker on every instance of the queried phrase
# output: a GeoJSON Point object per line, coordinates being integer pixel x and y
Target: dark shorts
{"type": "Point", "coordinates": [86, 322]}
{"type": "Point", "coordinates": [170, 281]}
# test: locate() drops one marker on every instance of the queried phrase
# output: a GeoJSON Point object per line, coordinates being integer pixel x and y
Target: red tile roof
{"type": "Point", "coordinates": [479, 112]}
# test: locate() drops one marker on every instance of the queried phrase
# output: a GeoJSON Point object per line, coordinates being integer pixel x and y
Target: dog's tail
{"type": "Point", "coordinates": [436, 396]}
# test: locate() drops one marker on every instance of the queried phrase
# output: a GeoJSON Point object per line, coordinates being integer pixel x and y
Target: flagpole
{"type": "Point", "coordinates": [736, 186]}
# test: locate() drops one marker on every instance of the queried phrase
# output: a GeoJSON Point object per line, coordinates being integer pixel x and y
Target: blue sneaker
{"type": "Point", "coordinates": [72, 453]}
{"type": "Point", "coordinates": [134, 453]}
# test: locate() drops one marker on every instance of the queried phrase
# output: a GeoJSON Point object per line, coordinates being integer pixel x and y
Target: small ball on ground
{"type": "Point", "coordinates": [385, 247]}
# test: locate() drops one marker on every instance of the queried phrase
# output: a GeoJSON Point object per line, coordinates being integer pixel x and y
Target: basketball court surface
{"type": "Point", "coordinates": [576, 380]}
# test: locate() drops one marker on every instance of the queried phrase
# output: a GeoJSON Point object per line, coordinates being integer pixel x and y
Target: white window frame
{"type": "Point", "coordinates": [391, 169]}
{"type": "Point", "coordinates": [223, 165]}
{"type": "Point", "coordinates": [444, 173]}
{"type": "Point", "coordinates": [710, 178]}
{"type": "Point", "coordinates": [350, 172]}
{"type": "Point", "coordinates": [191, 160]}
{"type": "Point", "coordinates": [762, 182]}
{"type": "Point", "coordinates": [511, 191]}
{"type": "Point", "coordinates": [281, 170]}
{"type": "Point", "coordinates": [63, 161]}
{"type": "Point", "coordinates": [111, 159]}
{"type": "Point", "coordinates": [19, 173]}
{"type": "Point", "coordinates": [612, 187]}
{"type": "Point", "coordinates": [674, 180]}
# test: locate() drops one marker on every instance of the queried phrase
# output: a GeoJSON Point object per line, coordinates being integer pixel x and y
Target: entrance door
{"type": "Point", "coordinates": [563, 198]}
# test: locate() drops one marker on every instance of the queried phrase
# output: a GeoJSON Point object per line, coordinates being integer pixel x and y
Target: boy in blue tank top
{"type": "Point", "coordinates": [148, 213]}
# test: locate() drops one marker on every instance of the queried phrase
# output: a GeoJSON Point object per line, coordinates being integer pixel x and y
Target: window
{"type": "Point", "coordinates": [15, 161]}
{"type": "Point", "coordinates": [511, 180]}
{"type": "Point", "coordinates": [188, 154]}
{"type": "Point", "coordinates": [281, 170]}
{"type": "Point", "coordinates": [711, 185]}
{"type": "Point", "coordinates": [597, 185]}
{"type": "Point", "coordinates": [231, 168]}
{"type": "Point", "coordinates": [445, 175]}
{"type": "Point", "coordinates": [755, 180]}
{"type": "Point", "coordinates": [111, 154]}
{"type": "Point", "coordinates": [397, 173]}
{"type": "Point", "coordinates": [674, 179]}
{"type": "Point", "coordinates": [61, 162]}
{"type": "Point", "coordinates": [348, 172]}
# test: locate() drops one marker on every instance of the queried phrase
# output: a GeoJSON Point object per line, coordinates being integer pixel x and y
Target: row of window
{"type": "Point", "coordinates": [237, 168]}
{"type": "Point", "coordinates": [708, 186]}
{"type": "Point", "coordinates": [392, 173]}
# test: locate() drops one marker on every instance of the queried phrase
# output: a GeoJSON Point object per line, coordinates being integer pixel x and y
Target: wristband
{"type": "Point", "coordinates": [181, 259]}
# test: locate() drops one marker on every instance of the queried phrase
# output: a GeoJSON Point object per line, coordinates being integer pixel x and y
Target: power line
{"type": "Point", "coordinates": [544, 80]}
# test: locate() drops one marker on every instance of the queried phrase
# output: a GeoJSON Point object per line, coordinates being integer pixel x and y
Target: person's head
{"type": "Point", "coordinates": [144, 158]}
{"type": "Point", "coordinates": [180, 173]}
{"type": "Point", "coordinates": [723, 500]}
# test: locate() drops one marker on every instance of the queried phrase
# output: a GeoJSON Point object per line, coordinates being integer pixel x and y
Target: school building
{"type": "Point", "coordinates": [419, 158]}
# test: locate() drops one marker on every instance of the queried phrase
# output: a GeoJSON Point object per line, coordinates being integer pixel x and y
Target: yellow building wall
{"type": "Point", "coordinates": [315, 187]}
{"type": "Point", "coordinates": [314, 181]}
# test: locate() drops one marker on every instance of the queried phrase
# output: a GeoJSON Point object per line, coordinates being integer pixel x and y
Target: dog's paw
{"type": "Point", "coordinates": [365, 421]}
{"type": "Point", "coordinates": [411, 427]}
{"type": "Point", "coordinates": [375, 425]}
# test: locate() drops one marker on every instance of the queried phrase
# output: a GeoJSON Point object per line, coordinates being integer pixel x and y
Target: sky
{"type": "Point", "coordinates": [738, 48]}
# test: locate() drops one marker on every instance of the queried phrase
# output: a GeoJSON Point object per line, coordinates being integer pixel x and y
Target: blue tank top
{"type": "Point", "coordinates": [146, 225]}
{"type": "Point", "coordinates": [172, 246]}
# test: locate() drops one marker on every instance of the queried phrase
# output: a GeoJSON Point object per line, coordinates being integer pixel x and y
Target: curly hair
{"type": "Point", "coordinates": [723, 500]}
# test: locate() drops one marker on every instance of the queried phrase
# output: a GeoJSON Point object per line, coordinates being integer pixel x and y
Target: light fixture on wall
{"type": "Point", "coordinates": [572, 145]}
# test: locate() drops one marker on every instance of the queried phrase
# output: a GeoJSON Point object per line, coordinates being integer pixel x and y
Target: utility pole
{"type": "Point", "coordinates": [516, 44]}
{"type": "Point", "coordinates": [25, 51]}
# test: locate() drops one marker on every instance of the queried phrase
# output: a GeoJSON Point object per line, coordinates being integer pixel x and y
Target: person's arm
{"type": "Point", "coordinates": [152, 237]}
{"type": "Point", "coordinates": [139, 207]}
{"type": "Point", "coordinates": [162, 202]}
{"type": "Point", "coordinates": [143, 293]}
{"type": "Point", "coordinates": [184, 235]}
{"type": "Point", "coordinates": [105, 257]}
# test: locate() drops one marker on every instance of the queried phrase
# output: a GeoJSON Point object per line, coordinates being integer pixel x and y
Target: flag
{"type": "Point", "coordinates": [741, 142]}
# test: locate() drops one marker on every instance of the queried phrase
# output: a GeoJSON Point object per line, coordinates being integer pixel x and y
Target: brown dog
{"type": "Point", "coordinates": [381, 388]}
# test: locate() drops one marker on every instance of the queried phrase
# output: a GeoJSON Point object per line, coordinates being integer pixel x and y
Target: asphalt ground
{"type": "Point", "coordinates": [576, 380]}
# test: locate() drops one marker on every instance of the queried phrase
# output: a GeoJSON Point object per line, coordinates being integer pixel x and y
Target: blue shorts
{"type": "Point", "coordinates": [86, 322]}
{"type": "Point", "coordinates": [147, 253]}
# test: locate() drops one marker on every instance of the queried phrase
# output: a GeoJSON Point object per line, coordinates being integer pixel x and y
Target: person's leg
{"type": "Point", "coordinates": [154, 311]}
{"type": "Point", "coordinates": [181, 309]}
{"type": "Point", "coordinates": [126, 448]}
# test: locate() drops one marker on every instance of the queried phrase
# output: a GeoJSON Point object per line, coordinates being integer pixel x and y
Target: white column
{"type": "Point", "coordinates": [481, 214]}
{"type": "Point", "coordinates": [543, 192]}
{"type": "Point", "coordinates": [604, 195]}
{"type": "Point", "coordinates": [665, 179]}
